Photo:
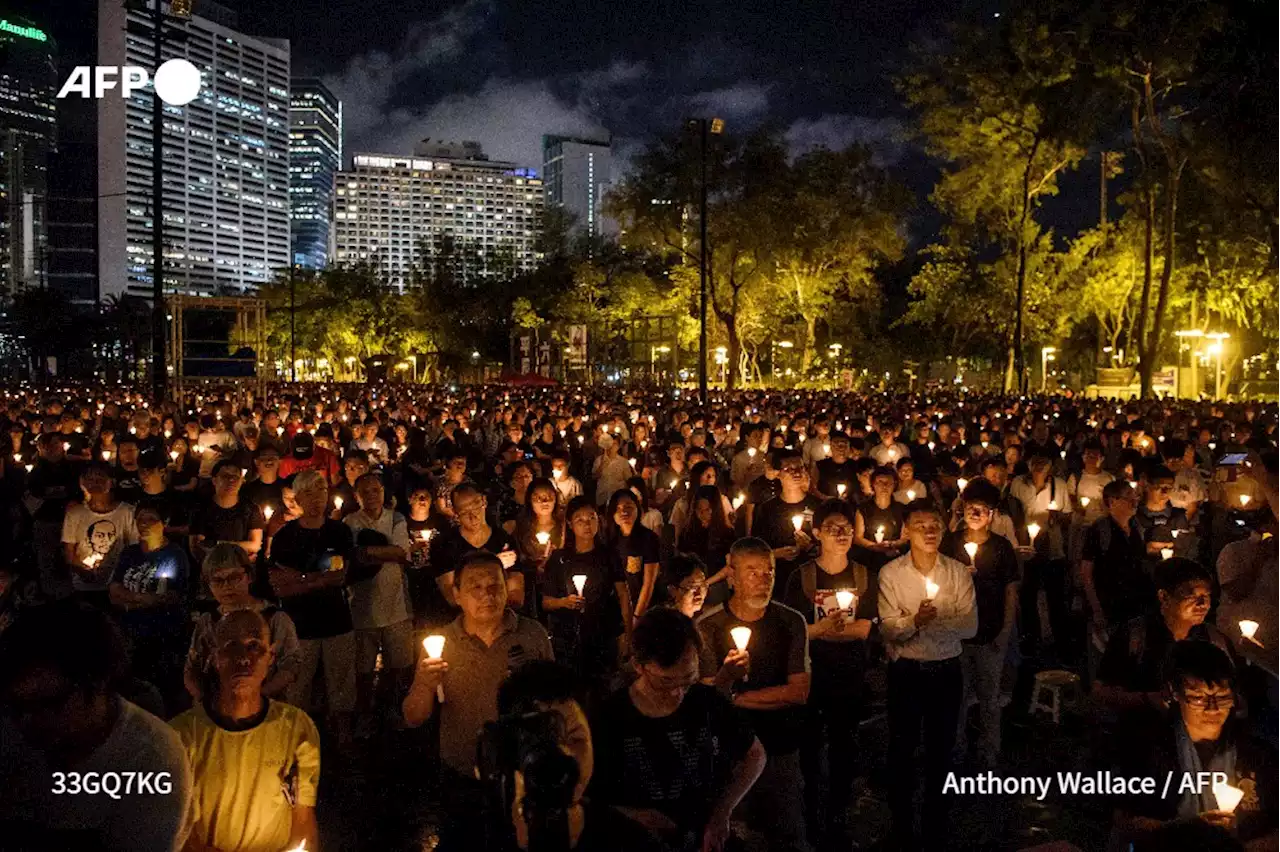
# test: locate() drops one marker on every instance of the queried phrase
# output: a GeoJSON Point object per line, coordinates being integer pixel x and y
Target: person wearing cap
{"type": "Point", "coordinates": [305, 455]}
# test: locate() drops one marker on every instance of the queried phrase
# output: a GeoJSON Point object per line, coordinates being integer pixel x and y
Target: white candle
{"type": "Point", "coordinates": [1166, 553]}
{"type": "Point", "coordinates": [826, 449]}
{"type": "Point", "coordinates": [879, 535]}
{"type": "Point", "coordinates": [268, 511]}
{"type": "Point", "coordinates": [971, 548]}
{"type": "Point", "coordinates": [930, 589]}
{"type": "Point", "coordinates": [30, 468]}
{"type": "Point", "coordinates": [931, 445]}
{"type": "Point", "coordinates": [66, 447]}
{"type": "Point", "coordinates": [844, 599]}
{"type": "Point", "coordinates": [106, 455]}
{"type": "Point", "coordinates": [841, 488]}
{"type": "Point", "coordinates": [741, 636]}
{"type": "Point", "coordinates": [1174, 533]}
{"type": "Point", "coordinates": [962, 483]}
{"type": "Point", "coordinates": [632, 462]}
{"type": "Point", "coordinates": [580, 583]}
{"type": "Point", "coordinates": [17, 457]}
{"type": "Point", "coordinates": [738, 501]}
{"type": "Point", "coordinates": [911, 494]}
{"type": "Point", "coordinates": [751, 452]}
{"type": "Point", "coordinates": [1033, 530]}
{"type": "Point", "coordinates": [301, 847]}
{"type": "Point", "coordinates": [434, 646]}
{"type": "Point", "coordinates": [544, 538]}
{"type": "Point", "coordinates": [426, 534]}
{"type": "Point", "coordinates": [1244, 500]}
{"type": "Point", "coordinates": [582, 439]}
{"type": "Point", "coordinates": [1084, 502]}
{"type": "Point", "coordinates": [337, 501]}
{"type": "Point", "coordinates": [173, 455]}
{"type": "Point", "coordinates": [556, 473]}
{"type": "Point", "coordinates": [1248, 628]}
{"type": "Point", "coordinates": [797, 521]}
{"type": "Point", "coordinates": [1228, 797]}
{"type": "Point", "coordinates": [1053, 505]}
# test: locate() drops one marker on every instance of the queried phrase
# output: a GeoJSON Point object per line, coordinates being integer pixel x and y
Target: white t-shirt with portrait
{"type": "Point", "coordinates": [98, 534]}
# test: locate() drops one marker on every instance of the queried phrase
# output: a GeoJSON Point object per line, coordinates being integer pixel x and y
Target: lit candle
{"type": "Point", "coordinates": [1213, 445]}
{"type": "Point", "coordinates": [1228, 797]}
{"type": "Point", "coordinates": [930, 589]}
{"type": "Point", "coordinates": [826, 449]}
{"type": "Point", "coordinates": [1248, 628]}
{"type": "Point", "coordinates": [580, 583]}
{"type": "Point", "coordinates": [984, 445]}
{"type": "Point", "coordinates": [337, 501]}
{"type": "Point", "coordinates": [426, 534]}
{"type": "Point", "coordinates": [844, 599]}
{"type": "Point", "coordinates": [971, 548]}
{"type": "Point", "coordinates": [1053, 505]}
{"type": "Point", "coordinates": [632, 462]}
{"type": "Point", "coordinates": [561, 433]}
{"type": "Point", "coordinates": [173, 455]}
{"type": "Point", "coordinates": [841, 488]}
{"type": "Point", "coordinates": [911, 494]}
{"type": "Point", "coordinates": [581, 439]}
{"type": "Point", "coordinates": [544, 538]}
{"type": "Point", "coordinates": [1175, 533]}
{"type": "Point", "coordinates": [30, 468]}
{"type": "Point", "coordinates": [66, 447]}
{"type": "Point", "coordinates": [738, 501]}
{"type": "Point", "coordinates": [797, 521]}
{"type": "Point", "coordinates": [741, 637]}
{"type": "Point", "coordinates": [434, 646]}
{"type": "Point", "coordinates": [1133, 484]}
{"type": "Point", "coordinates": [1084, 502]}
{"type": "Point", "coordinates": [17, 457]}
{"type": "Point", "coordinates": [1166, 553]}
{"type": "Point", "coordinates": [931, 446]}
{"type": "Point", "coordinates": [556, 473]}
{"type": "Point", "coordinates": [1244, 500]}
{"type": "Point", "coordinates": [268, 511]}
{"type": "Point", "coordinates": [751, 452]}
{"type": "Point", "coordinates": [301, 847]}
{"type": "Point", "coordinates": [106, 455]}
{"type": "Point", "coordinates": [674, 483]}
{"type": "Point", "coordinates": [879, 535]}
{"type": "Point", "coordinates": [1033, 530]}
{"type": "Point", "coordinates": [962, 483]}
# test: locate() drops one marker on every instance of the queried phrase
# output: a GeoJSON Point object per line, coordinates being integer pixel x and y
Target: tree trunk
{"type": "Point", "coordinates": [1019, 367]}
{"type": "Point", "coordinates": [810, 343]}
{"type": "Point", "coordinates": [1010, 368]}
{"type": "Point", "coordinates": [1166, 277]}
{"type": "Point", "coordinates": [1148, 261]}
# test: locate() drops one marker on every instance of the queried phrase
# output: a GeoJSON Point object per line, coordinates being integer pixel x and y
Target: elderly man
{"type": "Point", "coordinates": [768, 680]}
{"type": "Point", "coordinates": [256, 761]}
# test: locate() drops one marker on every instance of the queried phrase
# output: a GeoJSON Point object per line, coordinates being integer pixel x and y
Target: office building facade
{"type": "Point", "coordinates": [28, 84]}
{"type": "Point", "coordinates": [315, 158]}
{"type": "Point", "coordinates": [225, 156]}
{"type": "Point", "coordinates": [577, 174]}
{"type": "Point", "coordinates": [443, 204]}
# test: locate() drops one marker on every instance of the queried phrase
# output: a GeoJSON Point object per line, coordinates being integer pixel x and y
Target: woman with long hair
{"type": "Point", "coordinates": [586, 623]}
{"type": "Point", "coordinates": [512, 500]}
{"type": "Point", "coordinates": [635, 547]}
{"type": "Point", "coordinates": [709, 535]}
{"type": "Point", "coordinates": [703, 473]}
{"type": "Point", "coordinates": [649, 516]}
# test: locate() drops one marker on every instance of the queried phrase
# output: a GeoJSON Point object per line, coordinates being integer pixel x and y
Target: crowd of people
{"type": "Point", "coordinates": [624, 619]}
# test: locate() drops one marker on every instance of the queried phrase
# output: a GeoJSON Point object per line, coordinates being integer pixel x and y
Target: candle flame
{"type": "Point", "coordinates": [1033, 530]}
{"type": "Point", "coordinates": [1228, 797]}
{"type": "Point", "coordinates": [543, 538]}
{"type": "Point", "coordinates": [797, 521]}
{"type": "Point", "coordinates": [741, 636]}
{"type": "Point", "coordinates": [1248, 628]}
{"type": "Point", "coordinates": [434, 646]}
{"type": "Point", "coordinates": [971, 548]}
{"type": "Point", "coordinates": [844, 599]}
{"type": "Point", "coordinates": [930, 589]}
{"type": "Point", "coordinates": [580, 583]}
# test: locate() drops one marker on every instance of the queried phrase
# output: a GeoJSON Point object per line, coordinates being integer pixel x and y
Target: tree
{"type": "Point", "coordinates": [837, 220]}
{"type": "Point", "coordinates": [1004, 109]}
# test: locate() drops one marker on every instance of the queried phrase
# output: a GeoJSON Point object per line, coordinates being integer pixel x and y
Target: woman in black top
{"type": "Point", "coordinates": [636, 548]}
{"type": "Point", "coordinates": [709, 536]}
{"type": "Point", "coordinates": [184, 467]}
{"type": "Point", "coordinates": [585, 626]}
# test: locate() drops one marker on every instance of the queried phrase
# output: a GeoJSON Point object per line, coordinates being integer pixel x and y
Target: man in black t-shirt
{"type": "Point", "coordinates": [776, 521]}
{"type": "Point", "coordinates": [769, 681]}
{"type": "Point", "coordinates": [474, 533]}
{"type": "Point", "coordinates": [52, 483]}
{"type": "Point", "coordinates": [1116, 586]}
{"type": "Point", "coordinates": [128, 481]}
{"type": "Point", "coordinates": [837, 598]}
{"type": "Point", "coordinates": [266, 491]}
{"type": "Point", "coordinates": [225, 517]}
{"type": "Point", "coordinates": [837, 469]}
{"type": "Point", "coordinates": [671, 753]}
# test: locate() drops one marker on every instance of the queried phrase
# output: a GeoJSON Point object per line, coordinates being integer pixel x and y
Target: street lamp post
{"type": "Point", "coordinates": [1195, 357]}
{"type": "Point", "coordinates": [705, 127]}
{"type": "Point", "coordinates": [1215, 349]}
{"type": "Point", "coordinates": [1046, 355]}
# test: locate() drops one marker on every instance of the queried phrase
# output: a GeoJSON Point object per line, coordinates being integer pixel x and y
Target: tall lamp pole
{"type": "Point", "coordinates": [293, 328]}
{"type": "Point", "coordinates": [158, 371]}
{"type": "Point", "coordinates": [706, 127]}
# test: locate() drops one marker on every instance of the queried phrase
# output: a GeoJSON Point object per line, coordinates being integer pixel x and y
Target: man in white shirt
{"type": "Point", "coordinates": [380, 611]}
{"type": "Point", "coordinates": [889, 450]}
{"type": "Point", "coordinates": [927, 607]}
{"type": "Point", "coordinates": [1046, 509]}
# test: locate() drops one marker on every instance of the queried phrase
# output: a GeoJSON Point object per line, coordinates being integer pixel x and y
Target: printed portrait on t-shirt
{"type": "Point", "coordinates": [101, 536]}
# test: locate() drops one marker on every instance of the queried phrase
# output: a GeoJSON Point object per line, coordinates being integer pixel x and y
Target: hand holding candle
{"type": "Point", "coordinates": [1033, 530]}
{"type": "Point", "coordinates": [1228, 797]}
{"type": "Point", "coordinates": [434, 646]}
{"type": "Point", "coordinates": [580, 583]}
{"type": "Point", "coordinates": [845, 599]}
{"type": "Point", "coordinates": [930, 589]}
{"type": "Point", "coordinates": [1248, 629]}
{"type": "Point", "coordinates": [971, 548]}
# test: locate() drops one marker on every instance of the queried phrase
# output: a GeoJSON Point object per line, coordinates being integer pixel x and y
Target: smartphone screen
{"type": "Point", "coordinates": [1232, 459]}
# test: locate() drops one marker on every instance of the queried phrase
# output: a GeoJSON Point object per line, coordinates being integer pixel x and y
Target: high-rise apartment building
{"type": "Point", "coordinates": [28, 84]}
{"type": "Point", "coordinates": [226, 159]}
{"type": "Point", "coordinates": [315, 158]}
{"type": "Point", "coordinates": [577, 174]}
{"type": "Point", "coordinates": [445, 203]}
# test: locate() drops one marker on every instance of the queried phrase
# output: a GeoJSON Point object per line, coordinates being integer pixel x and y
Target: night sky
{"type": "Point", "coordinates": [504, 72]}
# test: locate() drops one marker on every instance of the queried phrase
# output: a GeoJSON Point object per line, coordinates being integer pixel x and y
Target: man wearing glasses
{"type": "Point", "coordinates": [927, 609]}
{"type": "Point", "coordinates": [225, 517]}
{"type": "Point", "coordinates": [1158, 520]}
{"type": "Point", "coordinates": [775, 520]}
{"type": "Point", "coordinates": [837, 599]}
{"type": "Point", "coordinates": [1196, 735]}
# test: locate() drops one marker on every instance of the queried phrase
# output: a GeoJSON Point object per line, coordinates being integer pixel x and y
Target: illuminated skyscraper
{"type": "Point", "coordinates": [315, 157]}
{"type": "Point", "coordinates": [578, 173]}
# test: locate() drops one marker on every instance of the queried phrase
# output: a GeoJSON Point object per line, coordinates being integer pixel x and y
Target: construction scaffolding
{"type": "Point", "coordinates": [206, 357]}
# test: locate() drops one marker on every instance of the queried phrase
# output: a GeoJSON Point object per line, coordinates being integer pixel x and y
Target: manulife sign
{"type": "Point", "coordinates": [25, 32]}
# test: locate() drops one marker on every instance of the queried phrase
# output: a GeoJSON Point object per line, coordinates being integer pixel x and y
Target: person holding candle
{"type": "Point", "coordinates": [837, 469]}
{"type": "Point", "coordinates": [482, 646]}
{"type": "Point", "coordinates": [610, 470]}
{"type": "Point", "coordinates": [255, 761]}
{"type": "Point", "coordinates": [342, 495]}
{"type": "Point", "coordinates": [775, 521]}
{"type": "Point", "coordinates": [709, 535]}
{"type": "Point", "coordinates": [685, 579]}
{"type": "Point", "coordinates": [889, 451]}
{"type": "Point", "coordinates": [635, 547]}
{"type": "Point", "coordinates": [838, 650]}
{"type": "Point", "coordinates": [923, 635]}
{"type": "Point", "coordinates": [47, 490]}
{"type": "Point", "coordinates": [1086, 495]}
{"type": "Point", "coordinates": [225, 516]}
{"type": "Point", "coordinates": [1198, 733]}
{"type": "Point", "coordinates": [1116, 586]}
{"type": "Point", "coordinates": [908, 488]}
{"type": "Point", "coordinates": [471, 509]}
{"type": "Point", "coordinates": [539, 531]}
{"type": "Point", "coordinates": [1046, 503]}
{"type": "Point", "coordinates": [686, 802]}
{"type": "Point", "coordinates": [749, 462]}
{"type": "Point", "coordinates": [94, 533]}
{"type": "Point", "coordinates": [1162, 525]}
{"type": "Point", "coordinates": [229, 574]}
{"type": "Point", "coordinates": [267, 488]}
{"type": "Point", "coordinates": [993, 565]}
{"type": "Point", "coordinates": [878, 531]}
{"type": "Point", "coordinates": [768, 681]}
{"type": "Point", "coordinates": [588, 626]}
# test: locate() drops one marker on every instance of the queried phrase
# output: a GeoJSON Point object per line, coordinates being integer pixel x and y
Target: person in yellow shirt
{"type": "Point", "coordinates": [256, 761]}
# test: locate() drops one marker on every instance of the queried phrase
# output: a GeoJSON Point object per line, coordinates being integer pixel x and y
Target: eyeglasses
{"type": "Point", "coordinates": [836, 529]}
{"type": "Point", "coordinates": [1212, 700]}
{"type": "Point", "coordinates": [793, 470]}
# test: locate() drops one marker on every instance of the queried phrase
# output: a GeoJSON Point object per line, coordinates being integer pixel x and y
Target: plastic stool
{"type": "Point", "coordinates": [1052, 681]}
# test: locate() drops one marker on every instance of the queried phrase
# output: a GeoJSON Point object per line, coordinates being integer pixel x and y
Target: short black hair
{"type": "Point", "coordinates": [662, 636]}
{"type": "Point", "coordinates": [1198, 660]}
{"type": "Point", "coordinates": [922, 506]}
{"type": "Point", "coordinates": [1176, 572]}
{"type": "Point", "coordinates": [223, 464]}
{"type": "Point", "coordinates": [830, 508]}
{"type": "Point", "coordinates": [78, 641]}
{"type": "Point", "coordinates": [1159, 472]}
{"type": "Point", "coordinates": [981, 491]}
{"type": "Point", "coordinates": [537, 682]}
{"type": "Point", "coordinates": [1115, 488]}
{"type": "Point", "coordinates": [475, 559]}
{"type": "Point", "coordinates": [681, 566]}
{"type": "Point", "coordinates": [996, 460]}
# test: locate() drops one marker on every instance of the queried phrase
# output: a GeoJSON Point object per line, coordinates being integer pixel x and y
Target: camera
{"type": "Point", "coordinates": [529, 743]}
